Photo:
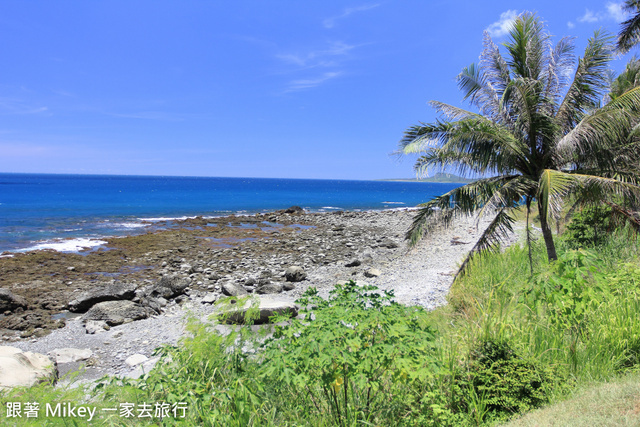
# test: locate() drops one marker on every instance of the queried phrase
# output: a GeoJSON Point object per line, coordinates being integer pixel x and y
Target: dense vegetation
{"type": "Point", "coordinates": [508, 342]}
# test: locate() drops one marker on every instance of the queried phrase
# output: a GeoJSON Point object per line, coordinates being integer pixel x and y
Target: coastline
{"type": "Point", "coordinates": [211, 252]}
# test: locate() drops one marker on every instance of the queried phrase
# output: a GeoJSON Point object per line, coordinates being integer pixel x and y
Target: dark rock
{"type": "Point", "coordinates": [30, 320]}
{"type": "Point", "coordinates": [114, 291]}
{"type": "Point", "coordinates": [294, 210]}
{"type": "Point", "coordinates": [233, 290]}
{"type": "Point", "coordinates": [168, 287]}
{"type": "Point", "coordinates": [354, 263]}
{"type": "Point", "coordinates": [295, 274]}
{"type": "Point", "coordinates": [267, 307]}
{"type": "Point", "coordinates": [288, 286]}
{"type": "Point", "coordinates": [388, 243]}
{"type": "Point", "coordinates": [116, 312]}
{"type": "Point", "coordinates": [272, 288]}
{"type": "Point", "coordinates": [9, 301]}
{"type": "Point", "coordinates": [372, 272]}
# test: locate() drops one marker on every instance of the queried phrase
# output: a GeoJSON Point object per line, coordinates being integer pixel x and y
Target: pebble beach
{"type": "Point", "coordinates": [210, 257]}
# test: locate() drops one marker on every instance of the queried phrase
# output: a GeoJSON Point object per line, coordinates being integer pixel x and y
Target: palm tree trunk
{"type": "Point", "coordinates": [548, 236]}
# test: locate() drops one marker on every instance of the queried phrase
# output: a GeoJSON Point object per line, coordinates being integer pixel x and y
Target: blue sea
{"type": "Point", "coordinates": [70, 212]}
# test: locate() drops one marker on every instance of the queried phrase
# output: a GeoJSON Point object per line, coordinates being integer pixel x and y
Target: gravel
{"type": "Point", "coordinates": [419, 276]}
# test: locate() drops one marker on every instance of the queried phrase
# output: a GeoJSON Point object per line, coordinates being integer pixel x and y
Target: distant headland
{"type": "Point", "coordinates": [439, 177]}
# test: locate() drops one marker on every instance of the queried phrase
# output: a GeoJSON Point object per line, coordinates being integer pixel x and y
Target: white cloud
{"type": "Point", "coordinates": [503, 25]}
{"type": "Point", "coordinates": [615, 11]}
{"type": "Point", "coordinates": [302, 84]}
{"type": "Point", "coordinates": [589, 16]}
{"type": "Point", "coordinates": [570, 24]}
{"type": "Point", "coordinates": [331, 22]}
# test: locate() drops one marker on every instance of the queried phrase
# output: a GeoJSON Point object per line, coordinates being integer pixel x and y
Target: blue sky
{"type": "Point", "coordinates": [290, 89]}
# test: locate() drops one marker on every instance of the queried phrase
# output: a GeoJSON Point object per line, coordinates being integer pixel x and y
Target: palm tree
{"type": "Point", "coordinates": [626, 80]}
{"type": "Point", "coordinates": [630, 33]}
{"type": "Point", "coordinates": [538, 134]}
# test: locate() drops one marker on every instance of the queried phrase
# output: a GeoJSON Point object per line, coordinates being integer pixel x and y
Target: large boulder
{"type": "Point", "coordinates": [113, 291]}
{"type": "Point", "coordinates": [295, 274]}
{"type": "Point", "coordinates": [70, 355]}
{"type": "Point", "coordinates": [116, 312]}
{"type": "Point", "coordinates": [294, 210]}
{"type": "Point", "coordinates": [233, 289]}
{"type": "Point", "coordinates": [168, 287]}
{"type": "Point", "coordinates": [9, 301]}
{"type": "Point", "coordinates": [270, 288]}
{"type": "Point", "coordinates": [24, 369]}
{"type": "Point", "coordinates": [265, 306]}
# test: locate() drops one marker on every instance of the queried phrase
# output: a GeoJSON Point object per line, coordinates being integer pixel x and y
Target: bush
{"type": "Point", "coordinates": [588, 228]}
{"type": "Point", "coordinates": [506, 383]}
{"type": "Point", "coordinates": [354, 356]}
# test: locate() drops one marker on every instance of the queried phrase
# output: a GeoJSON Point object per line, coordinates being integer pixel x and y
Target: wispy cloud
{"type": "Point", "coordinates": [613, 12]}
{"type": "Point", "coordinates": [502, 26]}
{"type": "Point", "coordinates": [328, 63]}
{"type": "Point", "coordinates": [589, 16]}
{"type": "Point", "coordinates": [318, 58]}
{"type": "Point", "coordinates": [302, 84]}
{"type": "Point", "coordinates": [17, 106]}
{"type": "Point", "coordinates": [149, 115]}
{"type": "Point", "coordinates": [331, 22]}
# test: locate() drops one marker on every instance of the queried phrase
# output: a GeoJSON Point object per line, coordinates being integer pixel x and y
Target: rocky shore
{"type": "Point", "coordinates": [108, 309]}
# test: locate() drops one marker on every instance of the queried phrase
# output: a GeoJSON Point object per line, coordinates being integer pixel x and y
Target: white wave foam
{"type": "Point", "coordinates": [69, 245]}
{"type": "Point", "coordinates": [130, 225]}
{"type": "Point", "coordinates": [394, 203]}
{"type": "Point", "coordinates": [180, 218]}
{"type": "Point", "coordinates": [331, 207]}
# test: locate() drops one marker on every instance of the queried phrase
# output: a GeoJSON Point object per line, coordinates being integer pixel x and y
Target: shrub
{"type": "Point", "coordinates": [354, 356]}
{"type": "Point", "coordinates": [588, 228]}
{"type": "Point", "coordinates": [506, 383]}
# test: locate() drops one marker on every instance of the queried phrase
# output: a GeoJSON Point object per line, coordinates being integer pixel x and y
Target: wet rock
{"type": "Point", "coordinates": [266, 306]}
{"type": "Point", "coordinates": [233, 290]}
{"type": "Point", "coordinates": [271, 288]}
{"type": "Point", "coordinates": [24, 369]}
{"type": "Point", "coordinates": [116, 312]}
{"type": "Point", "coordinates": [30, 320]}
{"type": "Point", "coordinates": [294, 210]}
{"type": "Point", "coordinates": [112, 292]}
{"type": "Point", "coordinates": [9, 301]}
{"type": "Point", "coordinates": [295, 274]}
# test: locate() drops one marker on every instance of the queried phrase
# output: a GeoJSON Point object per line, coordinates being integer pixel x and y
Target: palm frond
{"type": "Point", "coordinates": [629, 34]}
{"type": "Point", "coordinates": [589, 81]}
{"type": "Point", "coordinates": [602, 129]}
{"type": "Point", "coordinates": [492, 236]}
{"type": "Point", "coordinates": [463, 200]}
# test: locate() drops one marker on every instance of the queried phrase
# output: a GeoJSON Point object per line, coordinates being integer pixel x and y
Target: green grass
{"type": "Point", "coordinates": [613, 403]}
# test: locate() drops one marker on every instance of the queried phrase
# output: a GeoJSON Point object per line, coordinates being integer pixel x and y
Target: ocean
{"type": "Point", "coordinates": [71, 212]}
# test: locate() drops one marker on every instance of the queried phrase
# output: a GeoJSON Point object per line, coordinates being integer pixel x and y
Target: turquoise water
{"type": "Point", "coordinates": [65, 212]}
